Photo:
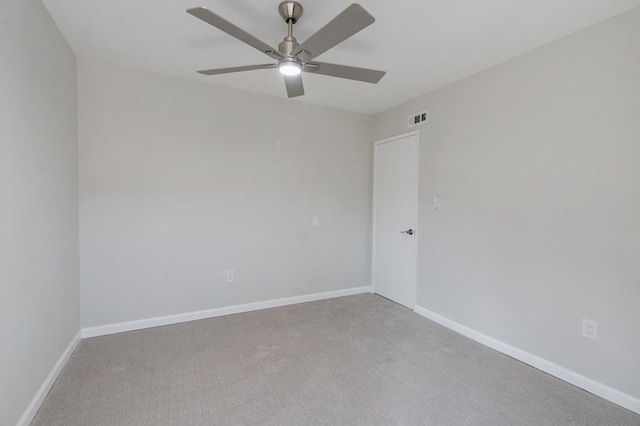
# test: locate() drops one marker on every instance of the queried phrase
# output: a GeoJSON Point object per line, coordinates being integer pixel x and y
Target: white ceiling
{"type": "Point", "coordinates": [422, 44]}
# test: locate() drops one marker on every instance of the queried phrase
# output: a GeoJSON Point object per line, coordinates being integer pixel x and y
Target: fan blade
{"type": "Point", "coordinates": [343, 71]}
{"type": "Point", "coordinates": [222, 24]}
{"type": "Point", "coordinates": [294, 85]}
{"type": "Point", "coordinates": [217, 71]}
{"type": "Point", "coordinates": [353, 19]}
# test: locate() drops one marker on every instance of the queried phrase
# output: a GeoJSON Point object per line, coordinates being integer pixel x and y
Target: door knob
{"type": "Point", "coordinates": [408, 231]}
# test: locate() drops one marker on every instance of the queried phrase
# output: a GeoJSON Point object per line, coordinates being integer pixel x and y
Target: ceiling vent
{"type": "Point", "coordinates": [418, 118]}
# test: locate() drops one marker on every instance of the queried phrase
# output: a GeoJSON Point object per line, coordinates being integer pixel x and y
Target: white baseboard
{"type": "Point", "coordinates": [33, 407]}
{"type": "Point", "coordinates": [627, 401]}
{"type": "Point", "coordinates": [121, 327]}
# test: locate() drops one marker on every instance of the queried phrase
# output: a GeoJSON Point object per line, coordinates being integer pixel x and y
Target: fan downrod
{"type": "Point", "coordinates": [290, 11]}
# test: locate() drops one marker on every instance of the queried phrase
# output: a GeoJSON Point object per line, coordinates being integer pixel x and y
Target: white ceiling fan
{"type": "Point", "coordinates": [293, 58]}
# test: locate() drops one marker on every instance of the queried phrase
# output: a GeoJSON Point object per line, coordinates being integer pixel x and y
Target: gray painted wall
{"type": "Point", "coordinates": [39, 302]}
{"type": "Point", "coordinates": [181, 181]}
{"type": "Point", "coordinates": [536, 165]}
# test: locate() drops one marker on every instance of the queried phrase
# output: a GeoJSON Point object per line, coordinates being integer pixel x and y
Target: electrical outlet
{"type": "Point", "coordinates": [315, 221]}
{"type": "Point", "coordinates": [230, 276]}
{"type": "Point", "coordinates": [589, 329]}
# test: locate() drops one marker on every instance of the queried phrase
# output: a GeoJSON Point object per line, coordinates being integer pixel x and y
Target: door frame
{"type": "Point", "coordinates": [373, 215]}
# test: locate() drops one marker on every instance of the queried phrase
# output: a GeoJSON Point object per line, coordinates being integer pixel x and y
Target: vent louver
{"type": "Point", "coordinates": [418, 118]}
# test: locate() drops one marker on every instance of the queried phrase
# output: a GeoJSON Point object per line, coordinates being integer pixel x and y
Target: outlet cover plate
{"type": "Point", "coordinates": [589, 329]}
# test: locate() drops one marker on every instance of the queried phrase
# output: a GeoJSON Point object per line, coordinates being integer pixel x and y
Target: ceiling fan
{"type": "Point", "coordinates": [293, 58]}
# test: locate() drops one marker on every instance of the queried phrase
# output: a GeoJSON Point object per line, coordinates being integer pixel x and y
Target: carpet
{"type": "Point", "coordinates": [356, 360]}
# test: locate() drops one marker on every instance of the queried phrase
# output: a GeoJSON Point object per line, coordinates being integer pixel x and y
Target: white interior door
{"type": "Point", "coordinates": [395, 212]}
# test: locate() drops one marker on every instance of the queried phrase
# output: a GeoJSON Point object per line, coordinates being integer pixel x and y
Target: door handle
{"type": "Point", "coordinates": [408, 231]}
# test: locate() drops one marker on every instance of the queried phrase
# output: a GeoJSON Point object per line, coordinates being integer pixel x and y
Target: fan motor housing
{"type": "Point", "coordinates": [288, 45]}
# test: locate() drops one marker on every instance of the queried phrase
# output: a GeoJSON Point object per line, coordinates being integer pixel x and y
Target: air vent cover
{"type": "Point", "coordinates": [418, 118]}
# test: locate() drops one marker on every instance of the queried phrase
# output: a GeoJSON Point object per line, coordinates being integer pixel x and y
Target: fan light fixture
{"type": "Point", "coordinates": [289, 68]}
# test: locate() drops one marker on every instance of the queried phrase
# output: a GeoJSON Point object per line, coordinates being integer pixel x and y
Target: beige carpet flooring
{"type": "Point", "coordinates": [357, 360]}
